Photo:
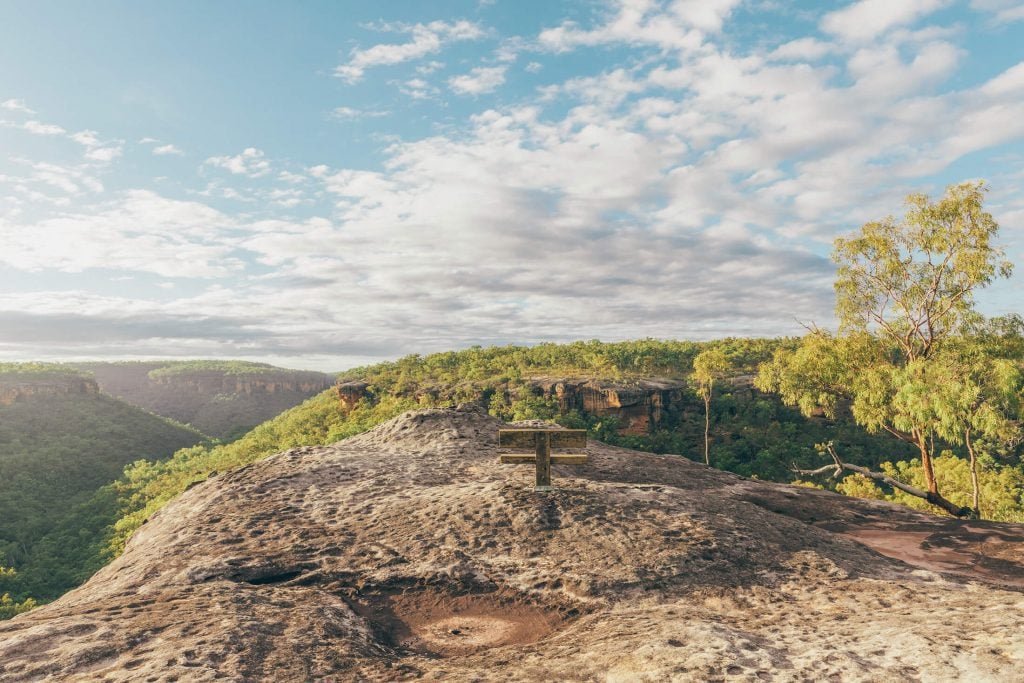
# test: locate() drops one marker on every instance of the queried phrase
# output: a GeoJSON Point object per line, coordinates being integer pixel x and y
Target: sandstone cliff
{"type": "Point", "coordinates": [410, 552]}
{"type": "Point", "coordinates": [640, 406]}
{"type": "Point", "coordinates": [11, 391]}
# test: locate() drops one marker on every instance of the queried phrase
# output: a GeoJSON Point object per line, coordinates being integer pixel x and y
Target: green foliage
{"type": "Point", "coordinates": [859, 486]}
{"type": "Point", "coordinates": [913, 281]}
{"type": "Point", "coordinates": [224, 399]}
{"type": "Point", "coordinates": [710, 365]}
{"type": "Point", "coordinates": [508, 364]}
{"type": "Point", "coordinates": [220, 367]}
{"type": "Point", "coordinates": [148, 485]}
{"type": "Point", "coordinates": [9, 607]}
{"type": "Point", "coordinates": [56, 452]}
{"type": "Point", "coordinates": [27, 372]}
{"type": "Point", "coordinates": [1002, 487]}
{"type": "Point", "coordinates": [904, 360]}
{"type": "Point", "coordinates": [807, 484]}
{"type": "Point", "coordinates": [535, 408]}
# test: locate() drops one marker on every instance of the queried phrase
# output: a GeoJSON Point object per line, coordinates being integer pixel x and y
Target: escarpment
{"type": "Point", "coordinates": [19, 390]}
{"type": "Point", "coordinates": [219, 399]}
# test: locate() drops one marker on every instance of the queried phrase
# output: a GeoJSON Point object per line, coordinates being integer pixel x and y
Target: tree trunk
{"type": "Point", "coordinates": [707, 427]}
{"type": "Point", "coordinates": [926, 464]}
{"type": "Point", "coordinates": [975, 492]}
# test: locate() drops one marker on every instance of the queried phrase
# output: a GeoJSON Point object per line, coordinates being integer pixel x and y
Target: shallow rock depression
{"type": "Point", "coordinates": [409, 552]}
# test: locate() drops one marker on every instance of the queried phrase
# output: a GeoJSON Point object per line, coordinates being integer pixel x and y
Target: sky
{"type": "Point", "coordinates": [328, 184]}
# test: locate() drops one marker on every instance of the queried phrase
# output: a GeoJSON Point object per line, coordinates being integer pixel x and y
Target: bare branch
{"type": "Point", "coordinates": [935, 499]}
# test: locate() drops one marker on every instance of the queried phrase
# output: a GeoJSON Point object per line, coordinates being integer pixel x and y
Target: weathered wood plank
{"type": "Point", "coordinates": [526, 438]}
{"type": "Point", "coordinates": [543, 450]}
{"type": "Point", "coordinates": [531, 458]}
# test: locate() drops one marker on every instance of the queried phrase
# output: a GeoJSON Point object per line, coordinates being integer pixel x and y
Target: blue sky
{"type": "Point", "coordinates": [323, 184]}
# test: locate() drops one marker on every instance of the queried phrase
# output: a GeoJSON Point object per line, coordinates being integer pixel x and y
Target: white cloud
{"type": "Point", "coordinates": [286, 197]}
{"type": "Point", "coordinates": [429, 67]}
{"type": "Point", "coordinates": [140, 231]}
{"type": "Point", "coordinates": [163, 150]}
{"type": "Point", "coordinates": [801, 49]}
{"type": "Point", "coordinates": [707, 15]}
{"type": "Point", "coordinates": [534, 67]}
{"type": "Point", "coordinates": [1003, 11]}
{"type": "Point", "coordinates": [291, 178]}
{"type": "Point", "coordinates": [250, 162]}
{"type": "Point", "coordinates": [16, 105]}
{"type": "Point", "coordinates": [1008, 83]}
{"type": "Point", "coordinates": [478, 81]}
{"type": "Point", "coordinates": [104, 154]}
{"type": "Point", "coordinates": [352, 113]}
{"type": "Point", "coordinates": [645, 22]}
{"type": "Point", "coordinates": [86, 137]}
{"type": "Point", "coordinates": [881, 69]}
{"type": "Point", "coordinates": [418, 89]}
{"type": "Point", "coordinates": [426, 39]}
{"type": "Point", "coordinates": [39, 128]}
{"type": "Point", "coordinates": [609, 89]}
{"type": "Point", "coordinates": [867, 19]}
{"type": "Point", "coordinates": [697, 165]}
{"type": "Point", "coordinates": [68, 179]}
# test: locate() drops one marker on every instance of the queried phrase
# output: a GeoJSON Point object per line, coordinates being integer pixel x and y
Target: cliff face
{"type": "Point", "coordinates": [410, 552]}
{"type": "Point", "coordinates": [218, 383]}
{"type": "Point", "coordinates": [640, 406]}
{"type": "Point", "coordinates": [18, 391]}
{"type": "Point", "coordinates": [217, 403]}
{"type": "Point", "coordinates": [351, 393]}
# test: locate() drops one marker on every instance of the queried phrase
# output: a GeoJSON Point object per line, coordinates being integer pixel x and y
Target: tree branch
{"type": "Point", "coordinates": [839, 466]}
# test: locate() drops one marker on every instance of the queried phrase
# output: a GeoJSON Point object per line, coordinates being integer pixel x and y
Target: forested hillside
{"type": "Point", "coordinates": [60, 441]}
{"type": "Point", "coordinates": [750, 432]}
{"type": "Point", "coordinates": [224, 399]}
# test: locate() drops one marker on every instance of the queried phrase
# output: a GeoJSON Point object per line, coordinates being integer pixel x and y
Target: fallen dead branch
{"type": "Point", "coordinates": [838, 466]}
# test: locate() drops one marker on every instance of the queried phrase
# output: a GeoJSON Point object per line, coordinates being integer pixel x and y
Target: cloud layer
{"type": "Point", "coordinates": [690, 186]}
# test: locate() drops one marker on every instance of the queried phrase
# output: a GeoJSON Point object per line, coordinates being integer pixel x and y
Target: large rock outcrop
{"type": "Point", "coordinates": [410, 552]}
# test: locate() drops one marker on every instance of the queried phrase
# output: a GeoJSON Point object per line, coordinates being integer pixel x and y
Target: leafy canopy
{"type": "Point", "coordinates": [914, 280]}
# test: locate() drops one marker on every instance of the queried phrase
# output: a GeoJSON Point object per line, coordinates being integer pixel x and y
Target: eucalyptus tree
{"type": "Point", "coordinates": [978, 400]}
{"type": "Point", "coordinates": [708, 366]}
{"type": "Point", "coordinates": [904, 298]}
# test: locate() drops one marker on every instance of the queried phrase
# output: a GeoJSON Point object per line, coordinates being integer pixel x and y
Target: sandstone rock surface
{"type": "Point", "coordinates": [408, 552]}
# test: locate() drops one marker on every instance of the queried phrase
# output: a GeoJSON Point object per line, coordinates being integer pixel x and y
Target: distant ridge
{"type": "Point", "coordinates": [224, 399]}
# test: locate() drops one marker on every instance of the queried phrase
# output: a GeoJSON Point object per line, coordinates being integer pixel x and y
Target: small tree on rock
{"type": "Point", "coordinates": [709, 365]}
